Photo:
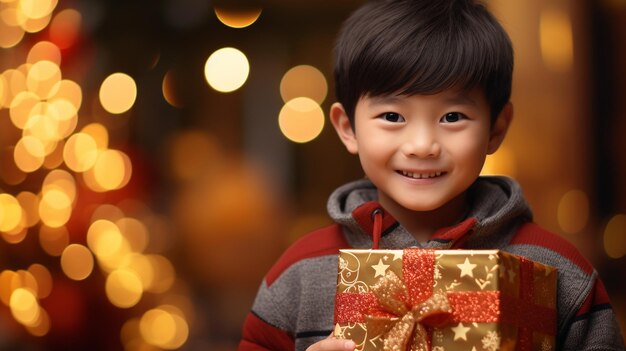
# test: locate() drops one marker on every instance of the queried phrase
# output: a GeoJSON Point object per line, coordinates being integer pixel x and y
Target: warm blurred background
{"type": "Point", "coordinates": [157, 156]}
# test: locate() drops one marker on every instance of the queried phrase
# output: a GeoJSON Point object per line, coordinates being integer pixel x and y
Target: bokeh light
{"type": "Point", "coordinates": [28, 281]}
{"type": "Point", "coordinates": [129, 333]}
{"type": "Point", "coordinates": [16, 235]}
{"type": "Point", "coordinates": [169, 91]}
{"type": "Point", "coordinates": [34, 25]}
{"type": "Point", "coordinates": [10, 213]}
{"type": "Point", "coordinates": [226, 70]}
{"type": "Point", "coordinates": [615, 237]}
{"type": "Point", "coordinates": [44, 128]}
{"type": "Point", "coordinates": [304, 81]}
{"type": "Point", "coordinates": [42, 78]}
{"type": "Point", "coordinates": [61, 180]}
{"type": "Point", "coordinates": [80, 152]}
{"type": "Point", "coordinates": [237, 18]}
{"type": "Point", "coordinates": [24, 306]}
{"type": "Point", "coordinates": [44, 279]}
{"type": "Point", "coordinates": [107, 212]}
{"type": "Point", "coordinates": [164, 274]}
{"type": "Point", "coordinates": [55, 208]}
{"type": "Point", "coordinates": [14, 82]}
{"type": "Point", "coordinates": [104, 238]}
{"type": "Point", "coordinates": [9, 281]}
{"type": "Point", "coordinates": [301, 120]}
{"type": "Point", "coordinates": [573, 211]}
{"type": "Point", "coordinates": [54, 240]}
{"type": "Point", "coordinates": [135, 232]}
{"type": "Point", "coordinates": [164, 329]}
{"type": "Point", "coordinates": [10, 35]}
{"type": "Point", "coordinates": [30, 206]}
{"type": "Point", "coordinates": [70, 91]}
{"type": "Point", "coordinates": [123, 288]}
{"type": "Point", "coordinates": [112, 170]}
{"type": "Point", "coordinates": [99, 133]}
{"type": "Point", "coordinates": [44, 50]}
{"type": "Point", "coordinates": [65, 28]}
{"type": "Point", "coordinates": [118, 93]}
{"type": "Point", "coordinates": [557, 48]}
{"type": "Point", "coordinates": [44, 155]}
{"type": "Point", "coordinates": [77, 262]}
{"type": "Point", "coordinates": [37, 8]}
{"type": "Point", "coordinates": [29, 154]}
{"type": "Point", "coordinates": [141, 266]}
{"type": "Point", "coordinates": [41, 326]}
{"type": "Point", "coordinates": [55, 159]}
{"type": "Point", "coordinates": [51, 121]}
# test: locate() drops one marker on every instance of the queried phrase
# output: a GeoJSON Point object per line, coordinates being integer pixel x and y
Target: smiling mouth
{"type": "Point", "coordinates": [421, 175]}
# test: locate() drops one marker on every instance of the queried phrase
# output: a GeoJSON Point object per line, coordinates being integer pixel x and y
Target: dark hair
{"type": "Point", "coordinates": [422, 47]}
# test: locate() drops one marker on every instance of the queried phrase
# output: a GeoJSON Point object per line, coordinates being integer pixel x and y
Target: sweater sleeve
{"type": "Point", "coordinates": [259, 335]}
{"type": "Point", "coordinates": [594, 327]}
{"type": "Point", "coordinates": [294, 305]}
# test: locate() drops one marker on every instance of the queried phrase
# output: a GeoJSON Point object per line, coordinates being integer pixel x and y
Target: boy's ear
{"type": "Point", "coordinates": [343, 127]}
{"type": "Point", "coordinates": [499, 128]}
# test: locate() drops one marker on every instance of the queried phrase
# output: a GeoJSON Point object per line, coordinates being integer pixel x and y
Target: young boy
{"type": "Point", "coordinates": [423, 89]}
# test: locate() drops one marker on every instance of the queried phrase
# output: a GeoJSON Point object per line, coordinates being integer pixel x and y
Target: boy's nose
{"type": "Point", "coordinates": [422, 144]}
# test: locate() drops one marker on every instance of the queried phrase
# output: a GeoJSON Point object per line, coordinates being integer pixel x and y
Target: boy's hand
{"type": "Point", "coordinates": [332, 344]}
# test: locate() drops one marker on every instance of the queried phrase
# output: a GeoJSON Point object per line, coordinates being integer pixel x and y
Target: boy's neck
{"type": "Point", "coordinates": [423, 224]}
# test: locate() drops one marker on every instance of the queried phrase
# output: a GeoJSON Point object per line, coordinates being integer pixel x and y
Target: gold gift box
{"type": "Point", "coordinates": [493, 300]}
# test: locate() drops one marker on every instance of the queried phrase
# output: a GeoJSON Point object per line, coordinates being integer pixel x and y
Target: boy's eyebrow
{"type": "Point", "coordinates": [455, 99]}
{"type": "Point", "coordinates": [384, 99]}
{"type": "Point", "coordinates": [461, 99]}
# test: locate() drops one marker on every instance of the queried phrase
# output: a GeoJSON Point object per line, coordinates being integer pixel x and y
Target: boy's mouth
{"type": "Point", "coordinates": [426, 175]}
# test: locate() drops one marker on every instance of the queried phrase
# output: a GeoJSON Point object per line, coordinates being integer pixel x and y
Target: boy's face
{"type": "Point", "coordinates": [422, 151]}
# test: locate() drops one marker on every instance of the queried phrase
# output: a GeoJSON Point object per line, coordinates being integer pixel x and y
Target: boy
{"type": "Point", "coordinates": [423, 89]}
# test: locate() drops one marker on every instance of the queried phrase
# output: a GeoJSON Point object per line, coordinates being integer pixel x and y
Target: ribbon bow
{"type": "Point", "coordinates": [407, 325]}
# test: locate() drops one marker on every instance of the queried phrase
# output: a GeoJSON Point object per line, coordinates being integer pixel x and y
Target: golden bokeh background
{"type": "Point", "coordinates": [157, 157]}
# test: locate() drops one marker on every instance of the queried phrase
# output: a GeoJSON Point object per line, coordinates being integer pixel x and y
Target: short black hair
{"type": "Point", "coordinates": [422, 47]}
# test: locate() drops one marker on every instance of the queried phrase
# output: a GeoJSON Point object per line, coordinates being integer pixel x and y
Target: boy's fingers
{"type": "Point", "coordinates": [333, 344]}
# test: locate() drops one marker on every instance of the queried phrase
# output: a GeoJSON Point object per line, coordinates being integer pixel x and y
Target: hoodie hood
{"type": "Point", "coordinates": [497, 208]}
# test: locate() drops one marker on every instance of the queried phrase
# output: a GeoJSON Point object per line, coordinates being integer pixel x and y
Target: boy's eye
{"type": "Point", "coordinates": [451, 117]}
{"type": "Point", "coordinates": [392, 117]}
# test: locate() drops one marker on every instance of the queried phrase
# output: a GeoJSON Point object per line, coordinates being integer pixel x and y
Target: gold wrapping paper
{"type": "Point", "coordinates": [469, 278]}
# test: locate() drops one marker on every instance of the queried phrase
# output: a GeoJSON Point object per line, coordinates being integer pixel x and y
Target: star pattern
{"type": "Point", "coordinates": [460, 332]}
{"type": "Point", "coordinates": [466, 268]}
{"type": "Point", "coordinates": [380, 268]}
{"type": "Point", "coordinates": [511, 275]}
{"type": "Point", "coordinates": [338, 332]}
{"type": "Point", "coordinates": [397, 255]}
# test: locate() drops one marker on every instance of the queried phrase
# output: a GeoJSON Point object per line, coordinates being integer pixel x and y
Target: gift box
{"type": "Point", "coordinates": [422, 299]}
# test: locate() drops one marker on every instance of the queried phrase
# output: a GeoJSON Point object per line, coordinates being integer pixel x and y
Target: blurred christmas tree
{"type": "Point", "coordinates": [82, 259]}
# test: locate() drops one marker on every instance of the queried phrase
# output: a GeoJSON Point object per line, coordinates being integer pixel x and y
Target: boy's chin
{"type": "Point", "coordinates": [432, 205]}
{"type": "Point", "coordinates": [420, 206]}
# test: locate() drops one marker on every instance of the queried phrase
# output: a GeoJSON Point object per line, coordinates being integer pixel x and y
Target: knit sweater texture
{"type": "Point", "coordinates": [295, 303]}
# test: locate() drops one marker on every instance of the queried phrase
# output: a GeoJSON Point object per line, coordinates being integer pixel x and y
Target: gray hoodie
{"type": "Point", "coordinates": [295, 303]}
